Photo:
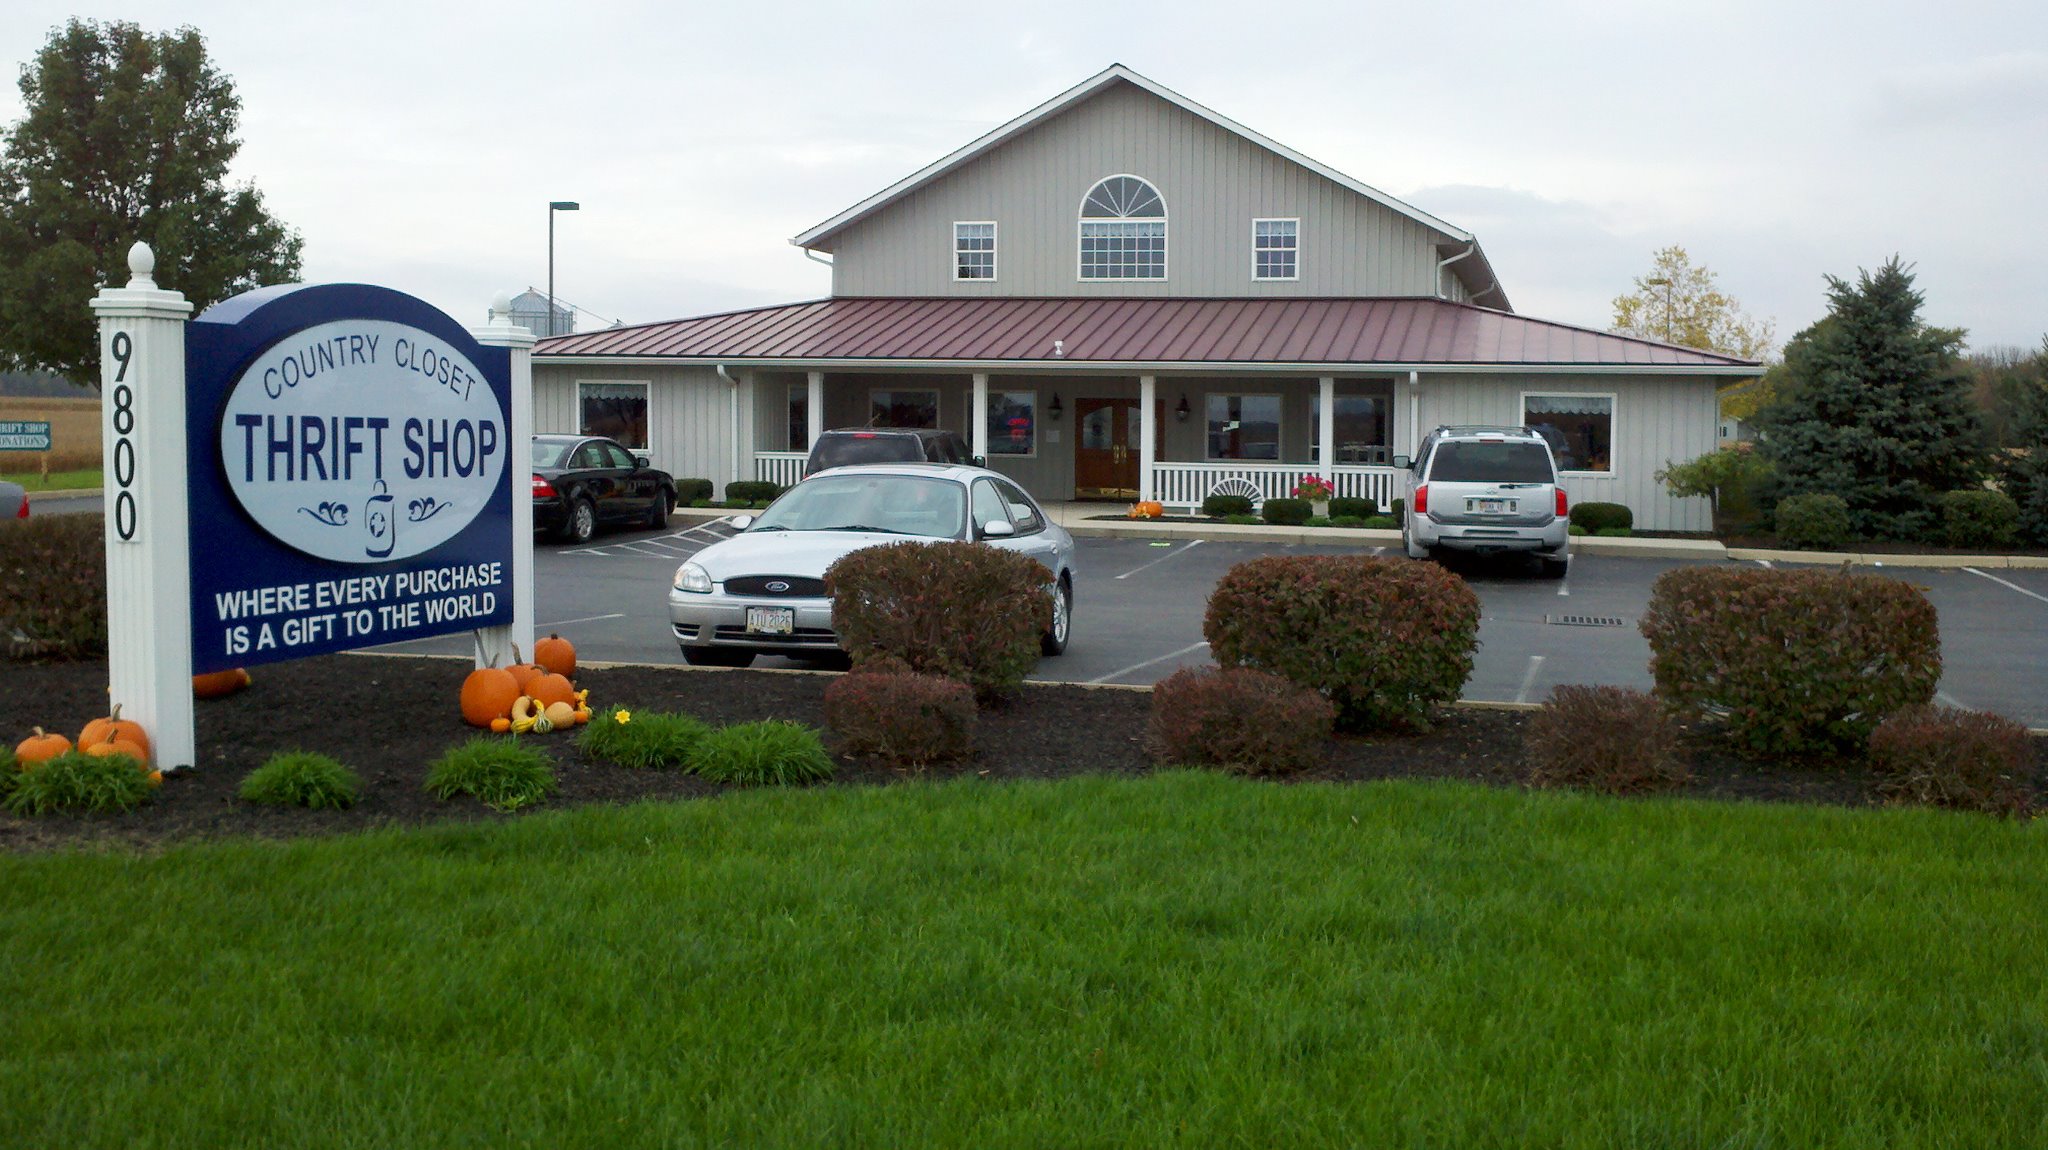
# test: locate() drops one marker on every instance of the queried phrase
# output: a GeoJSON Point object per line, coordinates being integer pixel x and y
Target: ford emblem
{"type": "Point", "coordinates": [777, 586]}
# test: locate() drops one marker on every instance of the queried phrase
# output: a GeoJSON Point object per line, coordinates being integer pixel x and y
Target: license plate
{"type": "Point", "coordinates": [771, 620]}
{"type": "Point", "coordinates": [1490, 506]}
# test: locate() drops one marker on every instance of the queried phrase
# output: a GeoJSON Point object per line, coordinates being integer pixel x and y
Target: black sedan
{"type": "Point", "coordinates": [582, 482]}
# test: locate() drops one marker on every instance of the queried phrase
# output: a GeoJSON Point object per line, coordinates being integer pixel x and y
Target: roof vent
{"type": "Point", "coordinates": [1059, 349]}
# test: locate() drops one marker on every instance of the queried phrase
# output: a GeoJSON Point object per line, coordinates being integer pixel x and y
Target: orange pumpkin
{"type": "Point", "coordinates": [219, 683]}
{"type": "Point", "coordinates": [39, 747]}
{"type": "Point", "coordinates": [155, 777]}
{"type": "Point", "coordinates": [127, 747]}
{"type": "Point", "coordinates": [551, 688]}
{"type": "Point", "coordinates": [556, 654]}
{"type": "Point", "coordinates": [488, 693]}
{"type": "Point", "coordinates": [524, 672]}
{"type": "Point", "coordinates": [501, 725]}
{"type": "Point", "coordinates": [1149, 509]}
{"type": "Point", "coordinates": [112, 727]}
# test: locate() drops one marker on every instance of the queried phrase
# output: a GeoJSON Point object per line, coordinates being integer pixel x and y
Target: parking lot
{"type": "Point", "coordinates": [1139, 604]}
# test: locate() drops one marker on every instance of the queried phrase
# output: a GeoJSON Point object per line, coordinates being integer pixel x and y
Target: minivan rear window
{"type": "Point", "coordinates": [847, 450]}
{"type": "Point", "coordinates": [1505, 462]}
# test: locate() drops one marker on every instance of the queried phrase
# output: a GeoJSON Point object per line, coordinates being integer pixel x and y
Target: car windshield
{"type": "Point", "coordinates": [1503, 461]}
{"type": "Point", "coordinates": [898, 504]}
{"type": "Point", "coordinates": [548, 452]}
{"type": "Point", "coordinates": [865, 447]}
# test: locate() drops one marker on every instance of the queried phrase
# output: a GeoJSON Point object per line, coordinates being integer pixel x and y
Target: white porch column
{"type": "Point", "coordinates": [814, 407]}
{"type": "Point", "coordinates": [496, 643]}
{"type": "Point", "coordinates": [149, 546]}
{"type": "Point", "coordinates": [1326, 431]}
{"type": "Point", "coordinates": [977, 430]}
{"type": "Point", "coordinates": [746, 426]}
{"type": "Point", "coordinates": [1414, 412]}
{"type": "Point", "coordinates": [1148, 431]}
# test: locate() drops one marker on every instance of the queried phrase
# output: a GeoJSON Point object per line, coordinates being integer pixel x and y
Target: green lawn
{"type": "Point", "coordinates": [1180, 960]}
{"type": "Point", "coordinates": [57, 481]}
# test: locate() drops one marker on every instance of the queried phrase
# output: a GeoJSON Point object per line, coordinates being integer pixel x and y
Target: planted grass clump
{"type": "Point", "coordinates": [648, 740]}
{"type": "Point", "coordinates": [499, 772]}
{"type": "Point", "coordinates": [82, 784]}
{"type": "Point", "coordinates": [302, 779]}
{"type": "Point", "coordinates": [772, 752]}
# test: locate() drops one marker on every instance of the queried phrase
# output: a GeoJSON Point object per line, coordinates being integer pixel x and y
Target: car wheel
{"type": "Point", "coordinates": [717, 657]}
{"type": "Point", "coordinates": [657, 516]}
{"type": "Point", "coordinates": [1556, 568]}
{"type": "Point", "coordinates": [1054, 641]}
{"type": "Point", "coordinates": [581, 523]}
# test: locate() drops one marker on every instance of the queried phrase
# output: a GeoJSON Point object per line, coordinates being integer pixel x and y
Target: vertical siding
{"type": "Point", "coordinates": [1656, 421]}
{"type": "Point", "coordinates": [1214, 184]}
{"type": "Point", "coordinates": [687, 416]}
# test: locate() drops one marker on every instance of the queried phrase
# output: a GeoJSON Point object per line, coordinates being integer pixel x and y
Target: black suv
{"type": "Point", "coordinates": [850, 445]}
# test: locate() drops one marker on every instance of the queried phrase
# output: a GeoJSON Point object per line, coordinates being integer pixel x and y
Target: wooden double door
{"type": "Point", "coordinates": [1107, 444]}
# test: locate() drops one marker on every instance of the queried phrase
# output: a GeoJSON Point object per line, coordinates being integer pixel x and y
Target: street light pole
{"type": "Point", "coordinates": [553, 207]}
{"type": "Point", "coordinates": [1665, 283]}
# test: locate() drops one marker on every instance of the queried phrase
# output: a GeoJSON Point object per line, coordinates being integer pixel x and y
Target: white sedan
{"type": "Point", "coordinates": [763, 591]}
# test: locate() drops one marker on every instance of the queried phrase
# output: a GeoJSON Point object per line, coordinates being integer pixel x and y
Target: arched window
{"type": "Point", "coordinates": [1123, 231]}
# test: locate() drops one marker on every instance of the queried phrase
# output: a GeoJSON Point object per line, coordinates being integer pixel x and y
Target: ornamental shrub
{"type": "Point", "coordinates": [1285, 512]}
{"type": "Point", "coordinates": [1243, 520]}
{"type": "Point", "coordinates": [1345, 507]}
{"type": "Point", "coordinates": [500, 772]}
{"type": "Point", "coordinates": [1614, 533]}
{"type": "Point", "coordinates": [901, 717]}
{"type": "Point", "coordinates": [301, 779]}
{"type": "Point", "coordinates": [1793, 660]}
{"type": "Point", "coordinates": [1347, 521]}
{"type": "Point", "coordinates": [1948, 757]}
{"type": "Point", "coordinates": [1399, 512]}
{"type": "Point", "coordinates": [959, 610]}
{"type": "Point", "coordinates": [1381, 523]}
{"type": "Point", "coordinates": [746, 492]}
{"type": "Point", "coordinates": [772, 752]}
{"type": "Point", "coordinates": [647, 740]}
{"type": "Point", "coordinates": [689, 492]}
{"type": "Point", "coordinates": [1611, 739]}
{"type": "Point", "coordinates": [1813, 522]}
{"type": "Point", "coordinates": [1238, 718]}
{"type": "Point", "coordinates": [54, 603]}
{"type": "Point", "coordinates": [80, 784]}
{"type": "Point", "coordinates": [1218, 506]}
{"type": "Point", "coordinates": [1383, 639]}
{"type": "Point", "coordinates": [1979, 518]}
{"type": "Point", "coordinates": [1600, 517]}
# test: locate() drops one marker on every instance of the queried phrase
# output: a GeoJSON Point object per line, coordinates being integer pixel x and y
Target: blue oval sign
{"type": "Point", "coordinates": [362, 441]}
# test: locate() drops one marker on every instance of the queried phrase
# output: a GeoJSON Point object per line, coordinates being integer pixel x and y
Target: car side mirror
{"type": "Point", "coordinates": [742, 522]}
{"type": "Point", "coordinates": [999, 529]}
{"type": "Point", "coordinates": [978, 460]}
{"type": "Point", "coordinates": [642, 462]}
{"type": "Point", "coordinates": [1403, 462]}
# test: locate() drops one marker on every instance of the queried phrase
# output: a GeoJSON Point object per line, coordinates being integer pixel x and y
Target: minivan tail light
{"type": "Point", "coordinates": [23, 513]}
{"type": "Point", "coordinates": [542, 489]}
{"type": "Point", "coordinates": [1421, 500]}
{"type": "Point", "coordinates": [1561, 509]}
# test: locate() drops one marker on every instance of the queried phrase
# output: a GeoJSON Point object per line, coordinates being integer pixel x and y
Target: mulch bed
{"type": "Point", "coordinates": [390, 718]}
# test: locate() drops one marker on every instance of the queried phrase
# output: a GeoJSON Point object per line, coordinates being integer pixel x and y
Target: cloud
{"type": "Point", "coordinates": [1980, 94]}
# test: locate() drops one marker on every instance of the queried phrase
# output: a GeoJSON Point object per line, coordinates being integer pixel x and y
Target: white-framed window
{"type": "Point", "coordinates": [1578, 425]}
{"type": "Point", "coordinates": [613, 409]}
{"type": "Point", "coordinates": [1244, 426]}
{"type": "Point", "coordinates": [1361, 424]}
{"type": "Point", "coordinates": [974, 250]}
{"type": "Point", "coordinates": [1276, 249]}
{"type": "Point", "coordinates": [1123, 231]}
{"type": "Point", "coordinates": [918, 407]}
{"type": "Point", "coordinates": [1013, 424]}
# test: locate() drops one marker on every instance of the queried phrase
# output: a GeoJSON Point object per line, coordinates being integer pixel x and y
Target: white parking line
{"type": "Point", "coordinates": [635, 547]}
{"type": "Point", "coordinates": [1190, 649]}
{"type": "Point", "coordinates": [2003, 583]}
{"type": "Point", "coordinates": [1529, 678]}
{"type": "Point", "coordinates": [584, 619]}
{"type": "Point", "coordinates": [1174, 554]}
{"type": "Point", "coordinates": [1764, 563]}
{"type": "Point", "coordinates": [1947, 699]}
{"type": "Point", "coordinates": [584, 551]}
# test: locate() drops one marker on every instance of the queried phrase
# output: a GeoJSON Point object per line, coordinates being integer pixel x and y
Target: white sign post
{"type": "Point", "coordinates": [142, 436]}
{"type": "Point", "coordinates": [494, 644]}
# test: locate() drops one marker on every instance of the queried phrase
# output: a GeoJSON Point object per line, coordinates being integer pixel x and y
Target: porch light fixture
{"type": "Point", "coordinates": [1055, 409]}
{"type": "Point", "coordinates": [1180, 411]}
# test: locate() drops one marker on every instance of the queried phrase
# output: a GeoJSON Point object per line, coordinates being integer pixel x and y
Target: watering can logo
{"type": "Point", "coordinates": [383, 524]}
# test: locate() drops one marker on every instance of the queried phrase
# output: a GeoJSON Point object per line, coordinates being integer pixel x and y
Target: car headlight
{"type": "Point", "coordinates": [691, 577]}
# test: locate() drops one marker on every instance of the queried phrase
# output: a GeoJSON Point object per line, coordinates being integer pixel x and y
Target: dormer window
{"type": "Point", "coordinates": [1123, 231]}
{"type": "Point", "coordinates": [974, 250]}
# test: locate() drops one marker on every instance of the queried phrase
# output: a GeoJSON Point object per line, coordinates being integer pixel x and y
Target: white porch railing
{"type": "Point", "coordinates": [779, 467]}
{"type": "Point", "coordinates": [1187, 484]}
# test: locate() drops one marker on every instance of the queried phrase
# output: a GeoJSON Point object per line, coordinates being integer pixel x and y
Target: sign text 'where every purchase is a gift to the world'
{"type": "Point", "coordinates": [355, 609]}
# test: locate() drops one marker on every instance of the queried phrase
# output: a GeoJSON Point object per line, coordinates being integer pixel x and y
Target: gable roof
{"type": "Point", "coordinates": [1089, 88]}
{"type": "Point", "coordinates": [1384, 333]}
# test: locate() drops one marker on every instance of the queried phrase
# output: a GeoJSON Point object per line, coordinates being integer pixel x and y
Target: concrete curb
{"type": "Point", "coordinates": [70, 493]}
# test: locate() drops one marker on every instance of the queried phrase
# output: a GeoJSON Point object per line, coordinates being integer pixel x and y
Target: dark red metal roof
{"type": "Point", "coordinates": [1392, 330]}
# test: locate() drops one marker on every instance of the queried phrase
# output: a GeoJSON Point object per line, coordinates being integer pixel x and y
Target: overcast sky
{"type": "Point", "coordinates": [416, 145]}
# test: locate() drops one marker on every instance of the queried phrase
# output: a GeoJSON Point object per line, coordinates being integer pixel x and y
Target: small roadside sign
{"type": "Point", "coordinates": [18, 435]}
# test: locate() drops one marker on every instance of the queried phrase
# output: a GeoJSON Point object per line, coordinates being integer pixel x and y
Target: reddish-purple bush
{"type": "Point", "coordinates": [1948, 757]}
{"type": "Point", "coordinates": [1384, 640]}
{"type": "Point", "coordinates": [1239, 718]}
{"type": "Point", "coordinates": [1609, 739]}
{"type": "Point", "coordinates": [1794, 660]}
{"type": "Point", "coordinates": [901, 717]}
{"type": "Point", "coordinates": [961, 610]}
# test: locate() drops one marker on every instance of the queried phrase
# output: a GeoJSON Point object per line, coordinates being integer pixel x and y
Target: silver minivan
{"type": "Point", "coordinates": [1485, 490]}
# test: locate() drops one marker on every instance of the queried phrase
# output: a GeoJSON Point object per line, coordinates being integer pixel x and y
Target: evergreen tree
{"type": "Point", "coordinates": [1873, 406]}
{"type": "Point", "coordinates": [127, 136]}
{"type": "Point", "coordinates": [2023, 466]}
